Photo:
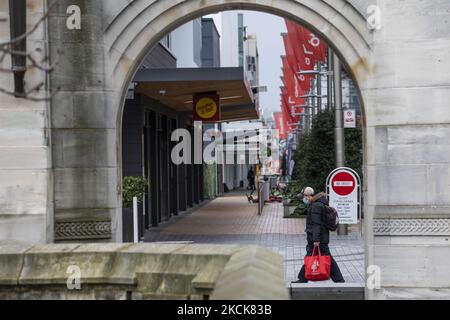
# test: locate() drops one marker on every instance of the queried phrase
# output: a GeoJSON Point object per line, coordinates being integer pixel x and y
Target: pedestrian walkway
{"type": "Point", "coordinates": [232, 220]}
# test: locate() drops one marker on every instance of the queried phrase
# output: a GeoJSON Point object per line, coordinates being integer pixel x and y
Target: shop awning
{"type": "Point", "coordinates": [175, 88]}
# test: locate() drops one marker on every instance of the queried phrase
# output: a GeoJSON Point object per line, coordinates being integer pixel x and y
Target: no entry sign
{"type": "Point", "coordinates": [343, 183]}
{"type": "Point", "coordinates": [349, 118]}
{"type": "Point", "coordinates": [344, 191]}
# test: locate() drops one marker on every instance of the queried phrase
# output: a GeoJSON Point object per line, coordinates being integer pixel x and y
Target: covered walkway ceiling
{"type": "Point", "coordinates": [176, 87]}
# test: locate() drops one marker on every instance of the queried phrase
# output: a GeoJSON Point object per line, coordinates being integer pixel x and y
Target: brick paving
{"type": "Point", "coordinates": [233, 215]}
{"type": "Point", "coordinates": [232, 220]}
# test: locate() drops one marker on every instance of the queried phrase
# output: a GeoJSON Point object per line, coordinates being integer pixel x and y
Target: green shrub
{"type": "Point", "coordinates": [315, 155]}
{"type": "Point", "coordinates": [300, 210]}
{"type": "Point", "coordinates": [293, 188]}
{"type": "Point", "coordinates": [291, 196]}
{"type": "Point", "coordinates": [133, 187]}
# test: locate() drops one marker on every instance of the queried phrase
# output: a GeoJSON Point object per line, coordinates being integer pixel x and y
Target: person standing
{"type": "Point", "coordinates": [251, 179]}
{"type": "Point", "coordinates": [317, 233]}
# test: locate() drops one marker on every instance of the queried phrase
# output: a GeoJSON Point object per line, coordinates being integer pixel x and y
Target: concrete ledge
{"type": "Point", "coordinates": [252, 274]}
{"type": "Point", "coordinates": [140, 271]}
{"type": "Point", "coordinates": [405, 293]}
{"type": "Point", "coordinates": [327, 291]}
{"type": "Point", "coordinates": [11, 262]}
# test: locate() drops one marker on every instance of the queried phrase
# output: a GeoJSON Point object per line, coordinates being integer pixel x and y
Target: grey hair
{"type": "Point", "coordinates": [308, 191]}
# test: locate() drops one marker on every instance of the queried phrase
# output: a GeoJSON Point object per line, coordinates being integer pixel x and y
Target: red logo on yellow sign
{"type": "Point", "coordinates": [206, 107]}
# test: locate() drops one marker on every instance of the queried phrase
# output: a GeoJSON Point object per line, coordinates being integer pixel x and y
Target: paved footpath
{"type": "Point", "coordinates": [232, 220]}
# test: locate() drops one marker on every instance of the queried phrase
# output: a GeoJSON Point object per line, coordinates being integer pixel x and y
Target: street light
{"type": "Point", "coordinates": [301, 115]}
{"type": "Point", "coordinates": [305, 106]}
{"type": "Point", "coordinates": [315, 72]}
{"type": "Point", "coordinates": [313, 96]}
{"type": "Point", "coordinates": [339, 125]}
{"type": "Point", "coordinates": [259, 89]}
{"type": "Point", "coordinates": [319, 75]}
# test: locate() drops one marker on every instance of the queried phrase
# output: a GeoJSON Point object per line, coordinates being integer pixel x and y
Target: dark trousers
{"type": "Point", "coordinates": [251, 185]}
{"type": "Point", "coordinates": [335, 272]}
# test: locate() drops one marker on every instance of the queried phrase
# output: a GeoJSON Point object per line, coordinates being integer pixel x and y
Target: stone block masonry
{"type": "Point", "coordinates": [140, 271]}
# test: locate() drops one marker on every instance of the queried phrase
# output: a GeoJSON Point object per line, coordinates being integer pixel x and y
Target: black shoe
{"type": "Point", "coordinates": [299, 281]}
{"type": "Point", "coordinates": [339, 281]}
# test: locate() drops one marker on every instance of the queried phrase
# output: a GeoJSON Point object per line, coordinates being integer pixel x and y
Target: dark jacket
{"type": "Point", "coordinates": [315, 228]}
{"type": "Point", "coordinates": [251, 176]}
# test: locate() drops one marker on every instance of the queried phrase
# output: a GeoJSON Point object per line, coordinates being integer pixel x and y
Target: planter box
{"type": "Point", "coordinates": [127, 225]}
{"type": "Point", "coordinates": [288, 209]}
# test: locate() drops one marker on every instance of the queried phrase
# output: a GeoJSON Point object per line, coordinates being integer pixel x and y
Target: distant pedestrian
{"type": "Point", "coordinates": [251, 179]}
{"type": "Point", "coordinates": [317, 233]}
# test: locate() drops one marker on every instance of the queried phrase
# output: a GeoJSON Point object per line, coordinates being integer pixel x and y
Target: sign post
{"type": "Point", "coordinates": [135, 221]}
{"type": "Point", "coordinates": [344, 194]}
{"type": "Point", "coordinates": [350, 118]}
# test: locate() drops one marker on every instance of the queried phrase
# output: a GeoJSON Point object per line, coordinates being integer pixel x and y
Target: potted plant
{"type": "Point", "coordinates": [131, 187]}
{"type": "Point", "coordinates": [298, 212]}
{"type": "Point", "coordinates": [292, 205]}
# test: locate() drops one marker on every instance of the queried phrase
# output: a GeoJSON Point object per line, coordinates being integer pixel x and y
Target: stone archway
{"type": "Point", "coordinates": [140, 24]}
{"type": "Point", "coordinates": [407, 166]}
{"type": "Point", "coordinates": [99, 70]}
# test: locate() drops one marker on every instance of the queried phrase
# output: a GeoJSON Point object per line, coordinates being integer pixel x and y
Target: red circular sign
{"type": "Point", "coordinates": [343, 183]}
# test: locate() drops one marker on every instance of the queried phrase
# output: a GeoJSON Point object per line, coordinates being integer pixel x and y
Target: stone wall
{"type": "Point", "coordinates": [408, 151]}
{"type": "Point", "coordinates": [61, 166]}
{"type": "Point", "coordinates": [97, 65]}
{"type": "Point", "coordinates": [141, 271]}
{"type": "Point", "coordinates": [73, 176]}
{"type": "Point", "coordinates": [26, 207]}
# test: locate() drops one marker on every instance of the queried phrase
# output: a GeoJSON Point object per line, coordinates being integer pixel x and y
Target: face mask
{"type": "Point", "coordinates": [305, 201]}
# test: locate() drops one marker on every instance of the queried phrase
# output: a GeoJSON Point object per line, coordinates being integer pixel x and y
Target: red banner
{"type": "Point", "coordinates": [290, 95]}
{"type": "Point", "coordinates": [288, 106]}
{"type": "Point", "coordinates": [281, 125]}
{"type": "Point", "coordinates": [292, 83]}
{"type": "Point", "coordinates": [307, 46]}
{"type": "Point", "coordinates": [285, 109]}
{"type": "Point", "coordinates": [292, 91]}
{"type": "Point", "coordinates": [303, 50]}
{"type": "Point", "coordinates": [294, 63]}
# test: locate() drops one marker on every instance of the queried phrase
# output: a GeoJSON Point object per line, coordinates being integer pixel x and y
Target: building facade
{"type": "Point", "coordinates": [148, 125]}
{"type": "Point", "coordinates": [240, 49]}
{"type": "Point", "coordinates": [62, 169]}
{"type": "Point", "coordinates": [187, 44]}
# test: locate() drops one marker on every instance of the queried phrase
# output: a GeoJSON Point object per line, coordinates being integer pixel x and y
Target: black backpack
{"type": "Point", "coordinates": [330, 218]}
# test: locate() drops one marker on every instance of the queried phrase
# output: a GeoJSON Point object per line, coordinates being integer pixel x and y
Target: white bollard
{"type": "Point", "coordinates": [135, 220]}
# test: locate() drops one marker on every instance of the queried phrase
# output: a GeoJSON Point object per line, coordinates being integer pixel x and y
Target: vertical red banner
{"type": "Point", "coordinates": [307, 46]}
{"type": "Point", "coordinates": [289, 106]}
{"type": "Point", "coordinates": [293, 89]}
{"type": "Point", "coordinates": [281, 125]}
{"type": "Point", "coordinates": [293, 62]}
{"type": "Point", "coordinates": [303, 50]}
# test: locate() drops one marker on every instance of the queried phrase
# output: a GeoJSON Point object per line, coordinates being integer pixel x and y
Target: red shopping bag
{"type": "Point", "coordinates": [317, 268]}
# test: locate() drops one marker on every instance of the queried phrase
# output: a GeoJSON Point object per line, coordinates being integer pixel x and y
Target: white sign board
{"type": "Point", "coordinates": [349, 118]}
{"type": "Point", "coordinates": [343, 192]}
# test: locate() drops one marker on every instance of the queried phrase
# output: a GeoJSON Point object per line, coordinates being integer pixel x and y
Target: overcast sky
{"type": "Point", "coordinates": [267, 28]}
